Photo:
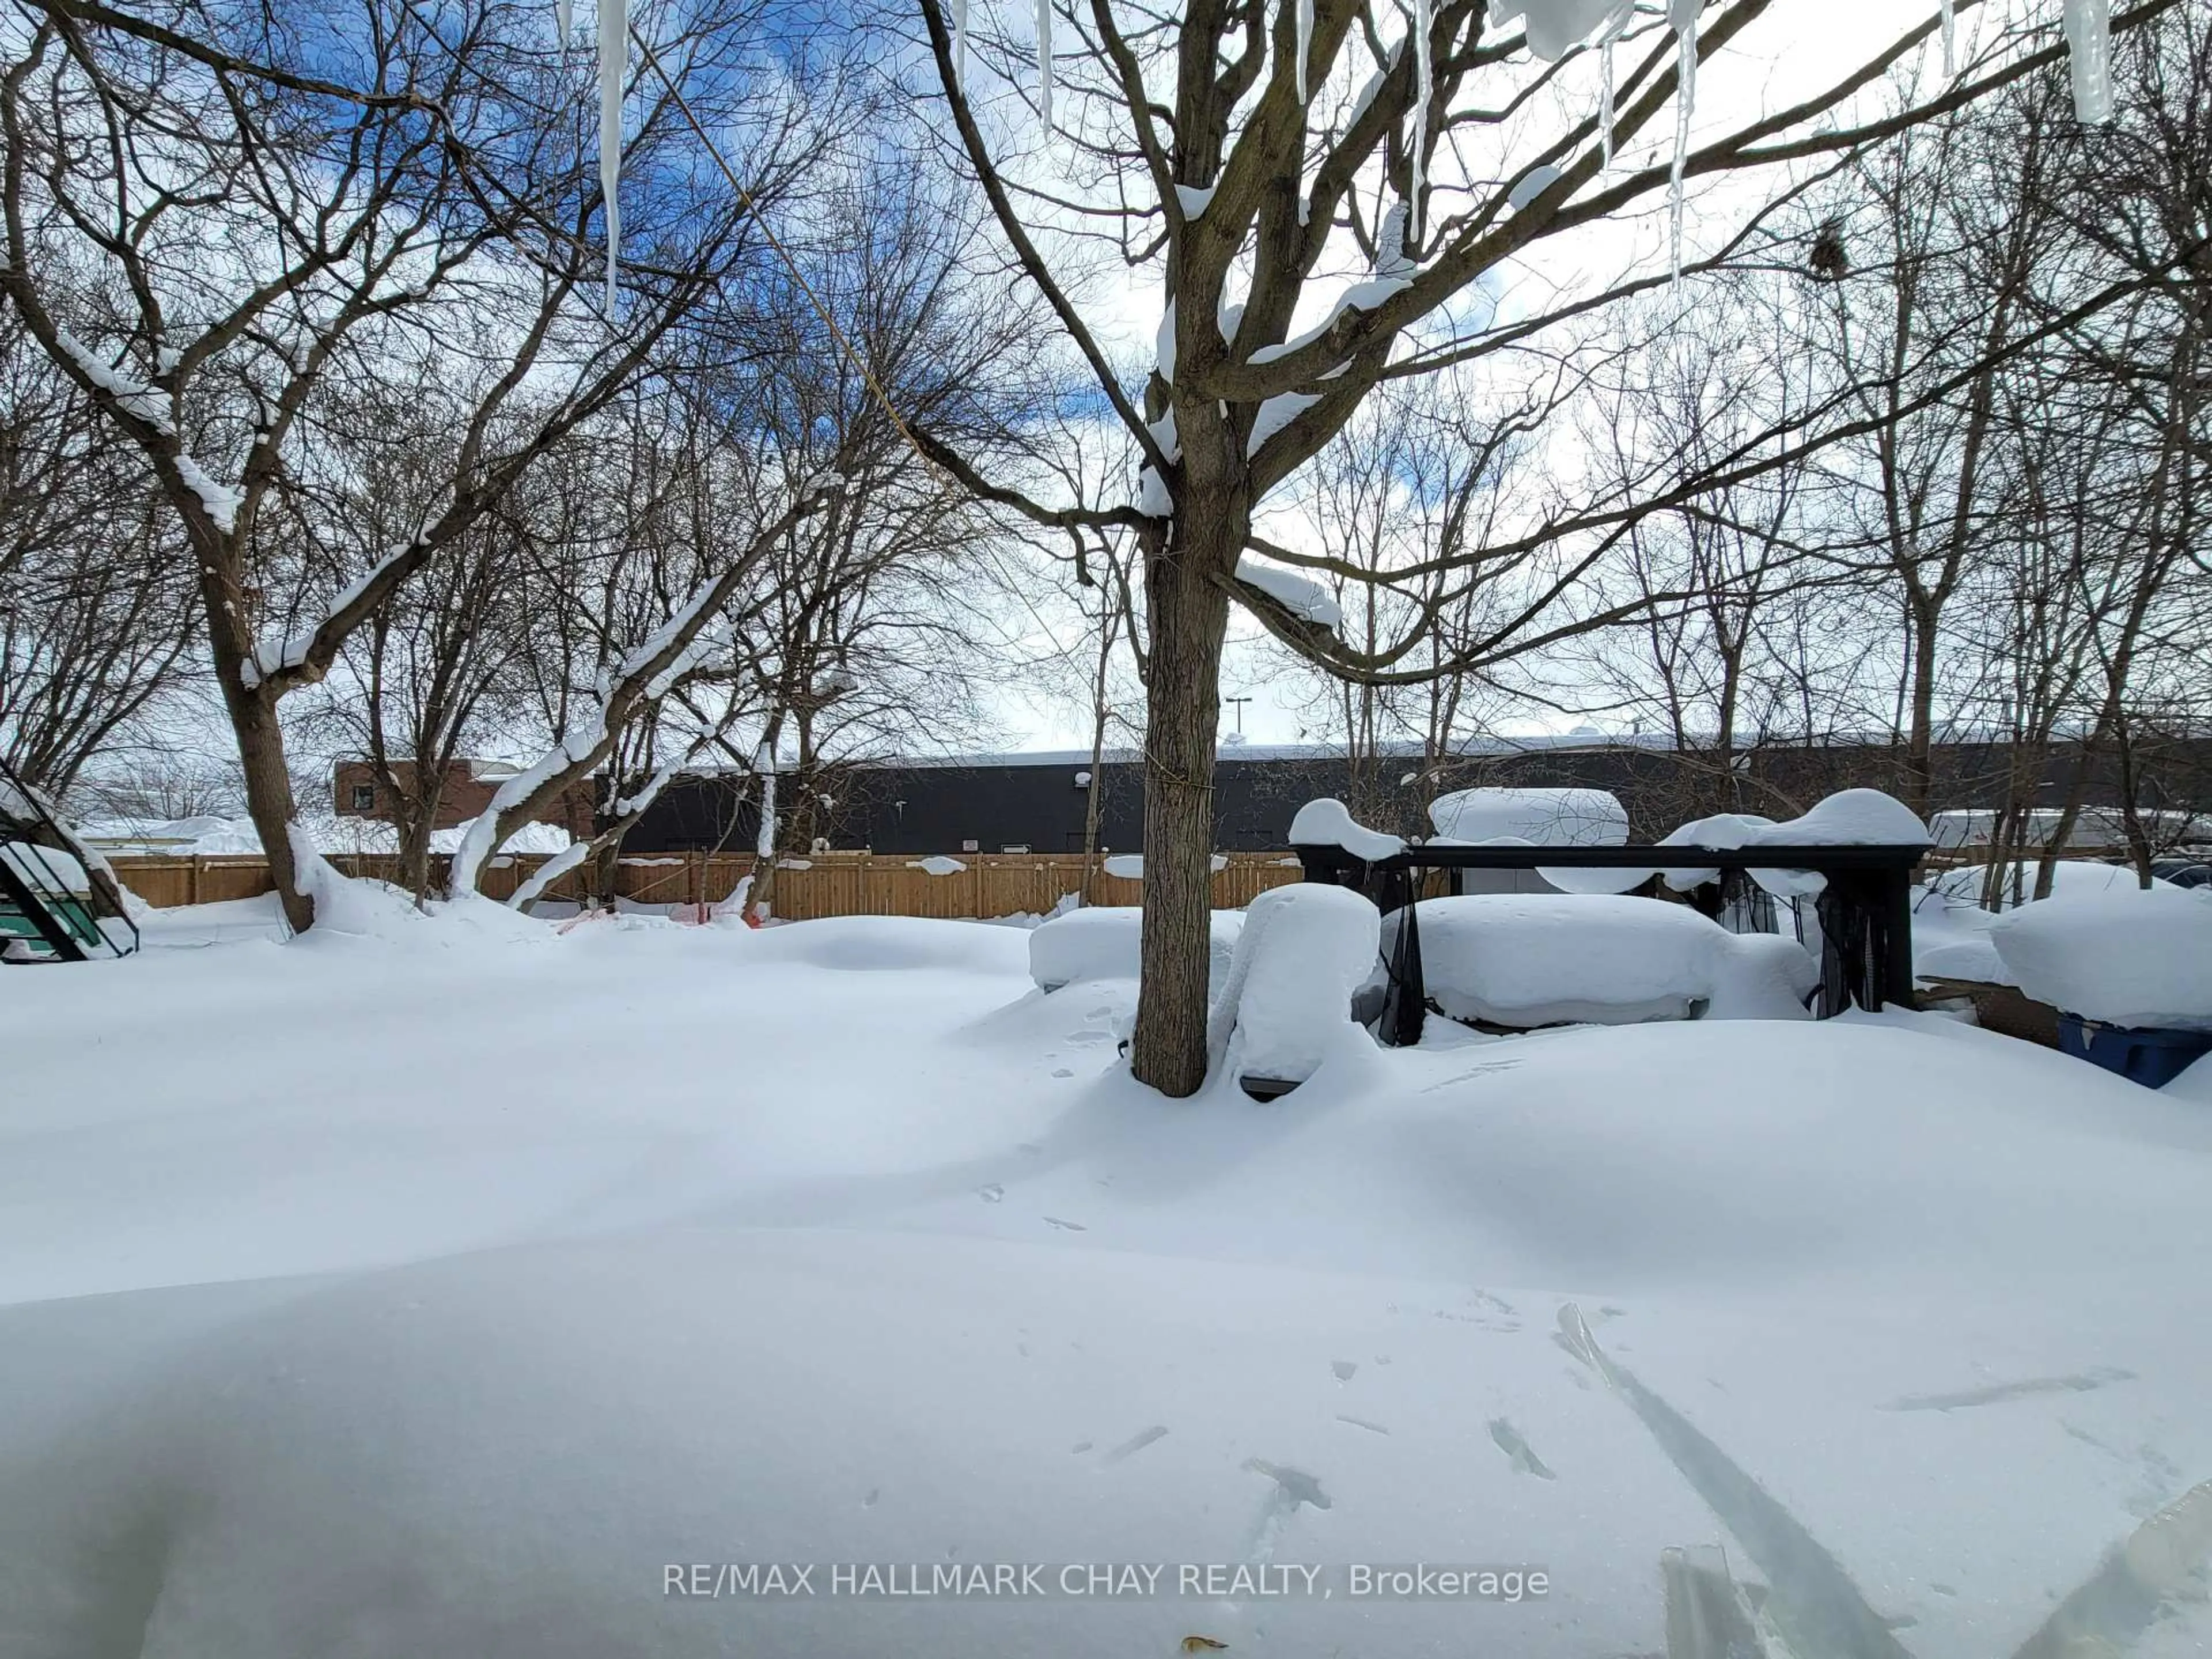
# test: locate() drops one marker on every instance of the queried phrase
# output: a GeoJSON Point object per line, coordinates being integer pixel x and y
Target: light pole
{"type": "Point", "coordinates": [1239, 702]}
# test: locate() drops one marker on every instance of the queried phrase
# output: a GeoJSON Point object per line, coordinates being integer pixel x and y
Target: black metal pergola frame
{"type": "Point", "coordinates": [1865, 906]}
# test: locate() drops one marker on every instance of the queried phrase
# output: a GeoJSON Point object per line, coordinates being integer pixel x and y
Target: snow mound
{"type": "Point", "coordinates": [936, 864]}
{"type": "Point", "coordinates": [1555, 817]}
{"type": "Point", "coordinates": [2127, 957]}
{"type": "Point", "coordinates": [874, 944]}
{"type": "Point", "coordinates": [1102, 941]}
{"type": "Point", "coordinates": [1850, 817]}
{"type": "Point", "coordinates": [348, 910]}
{"type": "Point", "coordinates": [2070, 878]}
{"type": "Point", "coordinates": [1330, 823]}
{"type": "Point", "coordinates": [1305, 950]}
{"type": "Point", "coordinates": [670, 1253]}
{"type": "Point", "coordinates": [2194, 1085]}
{"type": "Point", "coordinates": [1961, 956]}
{"type": "Point", "coordinates": [1529, 959]}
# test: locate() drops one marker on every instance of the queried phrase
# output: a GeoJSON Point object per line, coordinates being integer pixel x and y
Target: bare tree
{"type": "Point", "coordinates": [268, 236]}
{"type": "Point", "coordinates": [95, 624]}
{"type": "Point", "coordinates": [1236, 152]}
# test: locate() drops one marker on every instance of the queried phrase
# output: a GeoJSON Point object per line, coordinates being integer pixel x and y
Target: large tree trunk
{"type": "Point", "coordinates": [268, 797]}
{"type": "Point", "coordinates": [416, 819]}
{"type": "Point", "coordinates": [1187, 617]}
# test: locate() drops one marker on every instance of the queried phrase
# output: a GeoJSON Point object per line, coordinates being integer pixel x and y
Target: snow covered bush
{"type": "Point", "coordinates": [1101, 942]}
{"type": "Point", "coordinates": [1305, 950]}
{"type": "Point", "coordinates": [2124, 955]}
{"type": "Point", "coordinates": [1528, 959]}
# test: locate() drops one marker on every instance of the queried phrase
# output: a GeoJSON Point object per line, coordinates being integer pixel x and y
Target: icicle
{"type": "Point", "coordinates": [1044, 64]}
{"type": "Point", "coordinates": [1424, 88]}
{"type": "Point", "coordinates": [1950, 38]}
{"type": "Point", "coordinates": [1683, 14]}
{"type": "Point", "coordinates": [960, 45]}
{"type": "Point", "coordinates": [614, 61]}
{"type": "Point", "coordinates": [564, 19]}
{"type": "Point", "coordinates": [2088, 34]}
{"type": "Point", "coordinates": [1305, 44]}
{"type": "Point", "coordinates": [1604, 109]}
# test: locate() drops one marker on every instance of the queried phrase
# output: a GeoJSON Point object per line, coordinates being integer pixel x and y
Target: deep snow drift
{"type": "Point", "coordinates": [436, 1287]}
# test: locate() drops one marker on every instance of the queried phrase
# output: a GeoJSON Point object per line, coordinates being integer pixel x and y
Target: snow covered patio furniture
{"type": "Point", "coordinates": [1537, 817]}
{"type": "Point", "coordinates": [2129, 969]}
{"type": "Point", "coordinates": [1518, 961]}
{"type": "Point", "coordinates": [58, 900]}
{"type": "Point", "coordinates": [1104, 941]}
{"type": "Point", "coordinates": [1856, 851]}
{"type": "Point", "coordinates": [1303, 953]}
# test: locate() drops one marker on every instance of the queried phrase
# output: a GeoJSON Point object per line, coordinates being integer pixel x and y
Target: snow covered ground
{"type": "Point", "coordinates": [438, 1285]}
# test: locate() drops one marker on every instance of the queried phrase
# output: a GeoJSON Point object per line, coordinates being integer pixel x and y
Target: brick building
{"type": "Point", "coordinates": [358, 793]}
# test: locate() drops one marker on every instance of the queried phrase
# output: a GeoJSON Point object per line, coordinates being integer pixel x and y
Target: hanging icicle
{"type": "Point", "coordinates": [2089, 39]}
{"type": "Point", "coordinates": [1044, 64]}
{"type": "Point", "coordinates": [1605, 107]}
{"type": "Point", "coordinates": [1615, 25]}
{"type": "Point", "coordinates": [1683, 14]}
{"type": "Point", "coordinates": [614, 63]}
{"type": "Point", "coordinates": [1424, 88]}
{"type": "Point", "coordinates": [1305, 45]}
{"type": "Point", "coordinates": [960, 45]}
{"type": "Point", "coordinates": [1950, 38]}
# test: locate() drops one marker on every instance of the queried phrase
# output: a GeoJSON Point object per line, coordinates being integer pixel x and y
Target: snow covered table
{"type": "Point", "coordinates": [1863, 876]}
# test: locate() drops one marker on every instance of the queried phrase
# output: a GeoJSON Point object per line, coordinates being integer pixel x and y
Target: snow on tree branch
{"type": "Point", "coordinates": [270, 658]}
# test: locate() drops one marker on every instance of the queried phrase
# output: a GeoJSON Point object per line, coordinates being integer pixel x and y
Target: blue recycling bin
{"type": "Point", "coordinates": [2152, 1056]}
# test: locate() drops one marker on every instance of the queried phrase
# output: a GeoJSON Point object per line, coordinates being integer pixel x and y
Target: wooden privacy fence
{"type": "Point", "coordinates": [822, 884]}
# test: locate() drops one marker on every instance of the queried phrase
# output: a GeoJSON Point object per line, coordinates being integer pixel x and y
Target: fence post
{"type": "Point", "coordinates": [192, 884]}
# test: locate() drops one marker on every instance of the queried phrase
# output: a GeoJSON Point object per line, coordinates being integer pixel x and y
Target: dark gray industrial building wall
{"type": "Point", "coordinates": [1040, 807]}
{"type": "Point", "coordinates": [990, 809]}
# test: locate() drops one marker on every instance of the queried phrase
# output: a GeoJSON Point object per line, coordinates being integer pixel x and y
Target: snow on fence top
{"type": "Point", "coordinates": [1557, 818]}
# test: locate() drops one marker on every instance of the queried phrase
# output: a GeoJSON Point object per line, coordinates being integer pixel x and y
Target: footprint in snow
{"type": "Point", "coordinates": [991, 1194]}
{"type": "Point", "coordinates": [1061, 1071]}
{"type": "Point", "coordinates": [1344, 1369]}
{"type": "Point", "coordinates": [1066, 1226]}
{"type": "Point", "coordinates": [1135, 1444]}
